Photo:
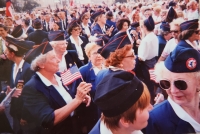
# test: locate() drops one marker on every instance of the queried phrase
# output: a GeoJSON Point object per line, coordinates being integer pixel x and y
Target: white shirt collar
{"type": "Point", "coordinates": [84, 25]}
{"type": "Point", "coordinates": [182, 114]}
{"type": "Point", "coordinates": [193, 44]}
{"type": "Point", "coordinates": [45, 80]}
{"type": "Point", "coordinates": [105, 130]}
{"type": "Point", "coordinates": [73, 41]}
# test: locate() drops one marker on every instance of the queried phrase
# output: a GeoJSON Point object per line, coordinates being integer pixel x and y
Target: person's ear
{"type": "Point", "coordinates": [124, 123]}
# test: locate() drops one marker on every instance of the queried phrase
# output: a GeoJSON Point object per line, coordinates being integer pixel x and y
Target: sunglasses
{"type": "Point", "coordinates": [174, 31]}
{"type": "Point", "coordinates": [196, 32]}
{"type": "Point", "coordinates": [179, 84]}
{"type": "Point", "coordinates": [77, 29]}
{"type": "Point", "coordinates": [86, 18]}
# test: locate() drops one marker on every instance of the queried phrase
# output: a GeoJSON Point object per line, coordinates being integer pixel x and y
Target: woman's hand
{"type": "Point", "coordinates": [87, 100]}
{"type": "Point", "coordinates": [82, 91]}
{"type": "Point", "coordinates": [159, 98]}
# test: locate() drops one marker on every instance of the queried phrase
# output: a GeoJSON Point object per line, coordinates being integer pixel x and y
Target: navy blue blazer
{"type": "Point", "coordinates": [162, 43]}
{"type": "Point", "coordinates": [163, 120]}
{"type": "Point", "coordinates": [41, 101]}
{"type": "Point", "coordinates": [16, 109]}
{"type": "Point", "coordinates": [101, 75]}
{"type": "Point", "coordinates": [72, 46]}
{"type": "Point", "coordinates": [88, 116]}
{"type": "Point", "coordinates": [111, 23]}
{"type": "Point", "coordinates": [30, 30]}
{"type": "Point", "coordinates": [72, 57]}
{"type": "Point", "coordinates": [38, 36]}
{"type": "Point", "coordinates": [97, 30]}
{"type": "Point", "coordinates": [96, 128]}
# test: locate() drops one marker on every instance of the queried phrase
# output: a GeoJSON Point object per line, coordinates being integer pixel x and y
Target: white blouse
{"type": "Point", "coordinates": [78, 47]}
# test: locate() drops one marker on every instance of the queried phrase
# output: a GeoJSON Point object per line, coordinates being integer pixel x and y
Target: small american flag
{"type": "Point", "coordinates": [152, 75]}
{"type": "Point", "coordinates": [70, 75]}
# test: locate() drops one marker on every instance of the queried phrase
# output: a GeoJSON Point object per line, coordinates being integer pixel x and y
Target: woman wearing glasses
{"type": "Point", "coordinates": [172, 43]}
{"type": "Point", "coordinates": [179, 75]}
{"type": "Point", "coordinates": [77, 42]}
{"type": "Point", "coordinates": [86, 26]}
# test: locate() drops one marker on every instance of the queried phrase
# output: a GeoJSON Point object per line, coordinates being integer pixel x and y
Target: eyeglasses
{"type": "Point", "coordinates": [77, 29]}
{"type": "Point", "coordinates": [196, 32]}
{"type": "Point", "coordinates": [131, 56]}
{"type": "Point", "coordinates": [86, 18]}
{"type": "Point", "coordinates": [95, 53]}
{"type": "Point", "coordinates": [180, 84]}
{"type": "Point", "coordinates": [174, 31]}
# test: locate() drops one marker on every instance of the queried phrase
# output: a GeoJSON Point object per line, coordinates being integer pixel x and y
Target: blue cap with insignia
{"type": "Point", "coordinates": [191, 24]}
{"type": "Point", "coordinates": [183, 60]}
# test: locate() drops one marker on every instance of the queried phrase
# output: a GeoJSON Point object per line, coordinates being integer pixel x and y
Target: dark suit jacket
{"type": "Point", "coordinates": [88, 116]}
{"type": "Point", "coordinates": [30, 30]}
{"type": "Point", "coordinates": [45, 28]}
{"type": "Point", "coordinates": [16, 109]}
{"type": "Point", "coordinates": [97, 30]}
{"type": "Point", "coordinates": [163, 120]}
{"type": "Point", "coordinates": [38, 36]}
{"type": "Point", "coordinates": [41, 101]}
{"type": "Point", "coordinates": [162, 42]}
{"type": "Point", "coordinates": [71, 46]}
{"type": "Point", "coordinates": [72, 57]}
{"type": "Point", "coordinates": [65, 28]}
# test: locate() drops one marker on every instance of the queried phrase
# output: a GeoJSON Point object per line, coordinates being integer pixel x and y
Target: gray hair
{"type": "Point", "coordinates": [39, 60]}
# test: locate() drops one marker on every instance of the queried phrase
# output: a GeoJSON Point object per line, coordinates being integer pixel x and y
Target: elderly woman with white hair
{"type": "Point", "coordinates": [48, 101]}
{"type": "Point", "coordinates": [67, 57]}
{"type": "Point", "coordinates": [179, 76]}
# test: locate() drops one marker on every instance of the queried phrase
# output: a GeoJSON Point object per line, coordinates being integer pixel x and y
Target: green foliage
{"type": "Point", "coordinates": [30, 5]}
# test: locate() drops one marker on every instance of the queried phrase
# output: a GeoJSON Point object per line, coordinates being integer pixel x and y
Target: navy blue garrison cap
{"type": "Point", "coordinates": [135, 24]}
{"type": "Point", "coordinates": [19, 46]}
{"type": "Point", "coordinates": [56, 35]}
{"type": "Point", "coordinates": [171, 15]}
{"type": "Point", "coordinates": [149, 23]}
{"type": "Point", "coordinates": [17, 32]}
{"type": "Point", "coordinates": [172, 3]}
{"type": "Point", "coordinates": [43, 48]}
{"type": "Point", "coordinates": [191, 24]}
{"type": "Point", "coordinates": [96, 14]}
{"type": "Point", "coordinates": [117, 92]}
{"type": "Point", "coordinates": [117, 41]}
{"type": "Point", "coordinates": [165, 26]}
{"type": "Point", "coordinates": [183, 60]}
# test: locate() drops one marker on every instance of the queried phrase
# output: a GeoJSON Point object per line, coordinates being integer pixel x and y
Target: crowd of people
{"type": "Point", "coordinates": [138, 66]}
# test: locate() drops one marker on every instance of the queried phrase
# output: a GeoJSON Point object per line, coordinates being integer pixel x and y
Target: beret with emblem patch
{"type": "Point", "coordinates": [183, 60]}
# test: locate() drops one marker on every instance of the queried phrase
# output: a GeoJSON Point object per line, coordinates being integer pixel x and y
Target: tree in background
{"type": "Point", "coordinates": [30, 5]}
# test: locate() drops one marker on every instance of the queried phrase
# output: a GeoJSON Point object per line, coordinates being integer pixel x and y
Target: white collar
{"type": "Point", "coordinates": [45, 80]}
{"type": "Point", "coordinates": [115, 68]}
{"type": "Point", "coordinates": [193, 44]}
{"type": "Point", "coordinates": [20, 65]}
{"type": "Point", "coordinates": [182, 114]}
{"type": "Point", "coordinates": [105, 130]}
{"type": "Point", "coordinates": [74, 42]}
{"type": "Point", "coordinates": [84, 25]}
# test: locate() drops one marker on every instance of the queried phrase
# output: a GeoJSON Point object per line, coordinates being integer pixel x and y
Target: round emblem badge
{"type": "Point", "coordinates": [191, 63]}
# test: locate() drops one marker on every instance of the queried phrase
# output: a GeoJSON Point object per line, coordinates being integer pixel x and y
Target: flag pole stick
{"type": "Point", "coordinates": [82, 79]}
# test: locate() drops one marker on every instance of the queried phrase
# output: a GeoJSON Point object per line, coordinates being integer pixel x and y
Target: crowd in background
{"type": "Point", "coordinates": [115, 48]}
